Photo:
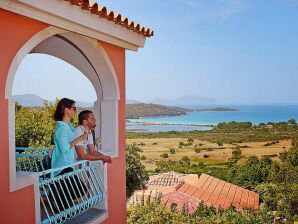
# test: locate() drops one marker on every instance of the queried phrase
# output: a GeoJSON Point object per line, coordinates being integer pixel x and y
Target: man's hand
{"type": "Point", "coordinates": [107, 159]}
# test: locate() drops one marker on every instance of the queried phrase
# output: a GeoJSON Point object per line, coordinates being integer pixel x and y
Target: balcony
{"type": "Point", "coordinates": [76, 196]}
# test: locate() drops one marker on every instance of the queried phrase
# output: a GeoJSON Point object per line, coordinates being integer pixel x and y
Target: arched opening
{"type": "Point", "coordinates": [90, 58]}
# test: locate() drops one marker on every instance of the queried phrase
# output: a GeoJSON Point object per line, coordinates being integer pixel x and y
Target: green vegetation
{"type": "Point", "coordinates": [230, 133]}
{"type": "Point", "coordinates": [156, 213]}
{"type": "Point", "coordinates": [134, 111]}
{"type": "Point", "coordinates": [276, 181]}
{"type": "Point", "coordinates": [152, 110]}
{"type": "Point", "coordinates": [135, 170]}
{"type": "Point", "coordinates": [236, 153]}
{"type": "Point", "coordinates": [164, 155]}
{"type": "Point", "coordinates": [34, 127]}
{"type": "Point", "coordinates": [197, 150]}
{"type": "Point", "coordinates": [197, 166]}
{"type": "Point", "coordinates": [172, 151]}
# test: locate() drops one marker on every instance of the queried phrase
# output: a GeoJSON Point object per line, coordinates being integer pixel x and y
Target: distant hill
{"type": "Point", "coordinates": [184, 101]}
{"type": "Point", "coordinates": [152, 110]}
{"type": "Point", "coordinates": [128, 101]}
{"type": "Point", "coordinates": [29, 100]}
{"type": "Point", "coordinates": [216, 109]}
{"type": "Point", "coordinates": [32, 100]}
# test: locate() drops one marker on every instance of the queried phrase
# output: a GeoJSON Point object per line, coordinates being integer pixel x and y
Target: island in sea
{"type": "Point", "coordinates": [138, 110]}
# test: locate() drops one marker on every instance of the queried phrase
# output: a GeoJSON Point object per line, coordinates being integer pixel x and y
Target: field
{"type": "Point", "coordinates": [217, 155]}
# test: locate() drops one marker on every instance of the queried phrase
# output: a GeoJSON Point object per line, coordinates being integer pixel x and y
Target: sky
{"type": "Point", "coordinates": [236, 51]}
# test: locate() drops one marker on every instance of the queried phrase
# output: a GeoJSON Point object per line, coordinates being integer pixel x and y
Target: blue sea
{"type": "Point", "coordinates": [252, 113]}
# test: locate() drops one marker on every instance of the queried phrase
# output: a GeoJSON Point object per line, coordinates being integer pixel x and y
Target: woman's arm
{"type": "Point", "coordinates": [62, 139]}
{"type": "Point", "coordinates": [83, 137]}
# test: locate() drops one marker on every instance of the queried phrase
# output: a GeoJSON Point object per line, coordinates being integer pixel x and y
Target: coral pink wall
{"type": "Point", "coordinates": [117, 171]}
{"type": "Point", "coordinates": [18, 206]}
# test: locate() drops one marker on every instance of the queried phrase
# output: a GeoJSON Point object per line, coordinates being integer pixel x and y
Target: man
{"type": "Point", "coordinates": [85, 149]}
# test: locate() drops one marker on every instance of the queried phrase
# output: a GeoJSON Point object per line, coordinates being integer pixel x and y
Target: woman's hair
{"type": "Point", "coordinates": [62, 104]}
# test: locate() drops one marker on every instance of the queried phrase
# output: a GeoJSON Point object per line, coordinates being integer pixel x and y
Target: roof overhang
{"type": "Point", "coordinates": [71, 17]}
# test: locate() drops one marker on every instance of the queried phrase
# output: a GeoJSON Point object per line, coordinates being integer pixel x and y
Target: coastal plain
{"type": "Point", "coordinates": [217, 155]}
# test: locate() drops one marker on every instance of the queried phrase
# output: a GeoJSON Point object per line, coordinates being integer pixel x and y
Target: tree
{"type": "Point", "coordinates": [236, 153]}
{"type": "Point", "coordinates": [34, 127]}
{"type": "Point", "coordinates": [136, 174]}
{"type": "Point", "coordinates": [292, 121]}
{"type": "Point", "coordinates": [253, 172]}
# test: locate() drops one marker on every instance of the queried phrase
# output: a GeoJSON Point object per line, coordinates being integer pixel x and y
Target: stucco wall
{"type": "Point", "coordinates": [18, 206]}
{"type": "Point", "coordinates": [116, 171]}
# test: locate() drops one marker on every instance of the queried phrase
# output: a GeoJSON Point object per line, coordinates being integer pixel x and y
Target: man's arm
{"type": "Point", "coordinates": [93, 151]}
{"type": "Point", "coordinates": [83, 156]}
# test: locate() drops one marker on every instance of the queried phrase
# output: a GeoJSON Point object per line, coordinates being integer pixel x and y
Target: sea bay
{"type": "Point", "coordinates": [201, 120]}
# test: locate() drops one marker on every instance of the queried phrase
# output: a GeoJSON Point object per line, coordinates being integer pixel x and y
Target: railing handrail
{"type": "Point", "coordinates": [53, 170]}
{"type": "Point", "coordinates": [23, 154]}
{"type": "Point", "coordinates": [26, 148]}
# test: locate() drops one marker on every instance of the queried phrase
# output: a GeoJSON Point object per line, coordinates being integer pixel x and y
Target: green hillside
{"type": "Point", "coordinates": [152, 110]}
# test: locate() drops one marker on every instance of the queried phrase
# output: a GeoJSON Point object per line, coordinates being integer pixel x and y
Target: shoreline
{"type": "Point", "coordinates": [165, 123]}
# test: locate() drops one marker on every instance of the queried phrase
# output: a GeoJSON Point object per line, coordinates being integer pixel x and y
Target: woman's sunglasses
{"type": "Point", "coordinates": [74, 108]}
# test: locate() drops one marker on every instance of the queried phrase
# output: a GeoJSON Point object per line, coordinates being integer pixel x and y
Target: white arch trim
{"type": "Point", "coordinates": [106, 107]}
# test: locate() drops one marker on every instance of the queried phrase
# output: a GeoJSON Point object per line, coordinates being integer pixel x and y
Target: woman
{"type": "Point", "coordinates": [63, 153]}
{"type": "Point", "coordinates": [64, 138]}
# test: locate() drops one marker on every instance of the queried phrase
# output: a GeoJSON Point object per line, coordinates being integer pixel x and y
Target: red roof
{"type": "Point", "coordinates": [192, 190]}
{"type": "Point", "coordinates": [220, 194]}
{"type": "Point", "coordinates": [118, 19]}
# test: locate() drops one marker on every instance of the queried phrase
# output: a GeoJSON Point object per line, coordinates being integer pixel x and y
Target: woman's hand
{"type": "Point", "coordinates": [83, 137]}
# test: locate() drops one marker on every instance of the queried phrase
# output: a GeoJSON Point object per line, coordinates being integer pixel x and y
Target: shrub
{"type": "Point", "coordinates": [219, 143]}
{"type": "Point", "coordinates": [164, 155]}
{"type": "Point", "coordinates": [143, 158]}
{"type": "Point", "coordinates": [172, 151]}
{"type": "Point", "coordinates": [190, 141]}
{"type": "Point", "coordinates": [154, 143]}
{"type": "Point", "coordinates": [206, 156]}
{"type": "Point", "coordinates": [236, 153]}
{"type": "Point", "coordinates": [197, 150]}
{"type": "Point", "coordinates": [155, 213]}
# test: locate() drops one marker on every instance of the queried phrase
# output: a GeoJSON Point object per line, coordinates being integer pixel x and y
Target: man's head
{"type": "Point", "coordinates": [86, 118]}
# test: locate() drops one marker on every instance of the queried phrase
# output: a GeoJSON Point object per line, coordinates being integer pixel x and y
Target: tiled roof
{"type": "Point", "coordinates": [192, 190]}
{"type": "Point", "coordinates": [116, 18]}
{"type": "Point", "coordinates": [165, 179]}
{"type": "Point", "coordinates": [220, 194]}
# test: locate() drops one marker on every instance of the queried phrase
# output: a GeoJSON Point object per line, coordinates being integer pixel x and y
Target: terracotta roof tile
{"type": "Point", "coordinates": [230, 196]}
{"type": "Point", "coordinates": [209, 192]}
{"type": "Point", "coordinates": [237, 198]}
{"type": "Point", "coordinates": [192, 189]}
{"type": "Point", "coordinates": [111, 16]}
{"type": "Point", "coordinates": [223, 195]}
{"type": "Point", "coordinates": [183, 188]}
{"type": "Point", "coordinates": [257, 202]}
{"type": "Point", "coordinates": [213, 198]}
{"type": "Point", "coordinates": [251, 200]}
{"type": "Point", "coordinates": [244, 199]}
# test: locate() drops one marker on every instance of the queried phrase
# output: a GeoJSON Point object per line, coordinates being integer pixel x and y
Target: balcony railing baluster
{"type": "Point", "coordinates": [67, 195]}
